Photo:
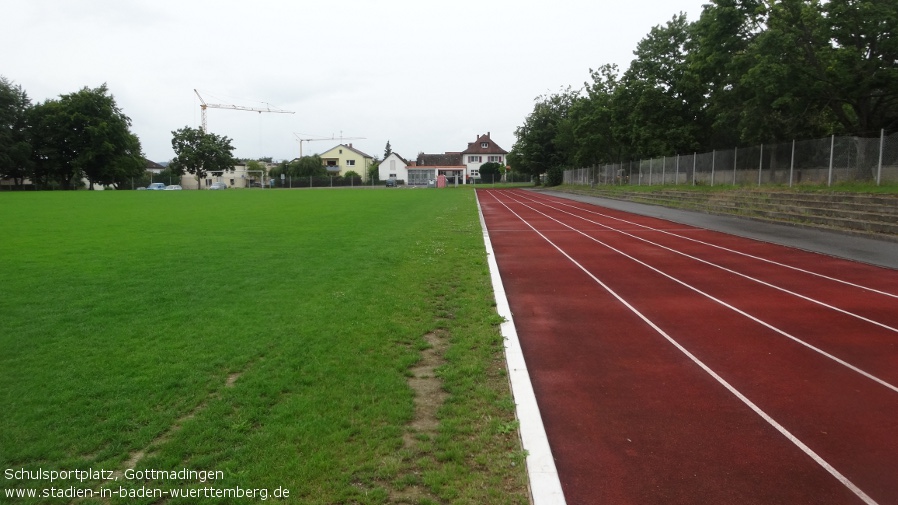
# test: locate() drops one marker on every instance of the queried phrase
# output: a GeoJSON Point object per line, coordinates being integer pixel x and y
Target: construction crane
{"type": "Point", "coordinates": [301, 140]}
{"type": "Point", "coordinates": [204, 106]}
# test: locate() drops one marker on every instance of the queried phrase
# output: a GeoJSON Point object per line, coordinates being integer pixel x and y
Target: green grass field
{"type": "Point", "coordinates": [270, 336]}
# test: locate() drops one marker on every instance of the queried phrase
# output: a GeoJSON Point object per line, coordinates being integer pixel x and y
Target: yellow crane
{"type": "Point", "coordinates": [301, 140]}
{"type": "Point", "coordinates": [204, 106]}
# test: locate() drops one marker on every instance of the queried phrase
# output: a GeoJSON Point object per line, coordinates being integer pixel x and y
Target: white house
{"type": "Point", "coordinates": [393, 167]}
{"type": "Point", "coordinates": [482, 151]}
{"type": "Point", "coordinates": [241, 177]}
{"type": "Point", "coordinates": [458, 167]}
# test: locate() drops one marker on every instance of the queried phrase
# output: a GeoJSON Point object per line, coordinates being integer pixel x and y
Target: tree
{"type": "Point", "coordinates": [845, 54]}
{"type": "Point", "coordinates": [308, 166]}
{"type": "Point", "coordinates": [594, 133]}
{"type": "Point", "coordinates": [387, 150]}
{"type": "Point", "coordinates": [490, 171]}
{"type": "Point", "coordinates": [719, 55]}
{"type": "Point", "coordinates": [539, 146]}
{"type": "Point", "coordinates": [659, 104]}
{"type": "Point", "coordinates": [84, 134]}
{"type": "Point", "coordinates": [199, 153]}
{"type": "Point", "coordinates": [15, 147]}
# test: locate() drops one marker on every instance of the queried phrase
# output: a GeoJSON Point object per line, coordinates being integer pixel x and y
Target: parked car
{"type": "Point", "coordinates": [157, 186]}
{"type": "Point", "coordinates": [173, 187]}
{"type": "Point", "coordinates": [391, 183]}
{"type": "Point", "coordinates": [218, 185]}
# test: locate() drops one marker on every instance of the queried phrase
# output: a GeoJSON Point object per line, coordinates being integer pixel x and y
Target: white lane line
{"type": "Point", "coordinates": [772, 422]}
{"type": "Point", "coordinates": [545, 485]}
{"type": "Point", "coordinates": [721, 267]}
{"type": "Point", "coordinates": [759, 258]}
{"type": "Point", "coordinates": [725, 304]}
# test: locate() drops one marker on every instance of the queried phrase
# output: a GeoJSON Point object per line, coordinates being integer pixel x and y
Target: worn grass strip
{"type": "Point", "coordinates": [123, 315]}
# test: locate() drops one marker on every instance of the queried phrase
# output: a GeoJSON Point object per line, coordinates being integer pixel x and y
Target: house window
{"type": "Point", "coordinates": [232, 182]}
{"type": "Point", "coordinates": [350, 163]}
{"type": "Point", "coordinates": [484, 145]}
{"type": "Point", "coordinates": [474, 159]}
{"type": "Point", "coordinates": [495, 159]}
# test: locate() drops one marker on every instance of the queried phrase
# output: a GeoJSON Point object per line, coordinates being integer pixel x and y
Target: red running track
{"type": "Point", "coordinates": [674, 364]}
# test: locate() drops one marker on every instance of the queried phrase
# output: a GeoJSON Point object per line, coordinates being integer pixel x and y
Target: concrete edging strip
{"type": "Point", "coordinates": [545, 486]}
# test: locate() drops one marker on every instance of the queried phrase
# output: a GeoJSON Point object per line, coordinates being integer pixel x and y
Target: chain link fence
{"type": "Point", "coordinates": [820, 161]}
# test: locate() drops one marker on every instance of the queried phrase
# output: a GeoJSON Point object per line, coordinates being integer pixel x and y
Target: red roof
{"type": "Point", "coordinates": [484, 145]}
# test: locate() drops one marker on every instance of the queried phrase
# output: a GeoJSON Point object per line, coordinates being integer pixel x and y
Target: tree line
{"type": "Point", "coordinates": [746, 72]}
{"type": "Point", "coordinates": [86, 135]}
{"type": "Point", "coordinates": [59, 142]}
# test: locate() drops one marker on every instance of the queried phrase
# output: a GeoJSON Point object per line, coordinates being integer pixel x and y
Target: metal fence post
{"type": "Point", "coordinates": [694, 158]}
{"type": "Point", "coordinates": [832, 149]}
{"type": "Point", "coordinates": [792, 163]}
{"type": "Point", "coordinates": [760, 164]}
{"type": "Point", "coordinates": [735, 161]}
{"type": "Point", "coordinates": [882, 140]}
{"type": "Point", "coordinates": [663, 170]}
{"type": "Point", "coordinates": [677, 172]}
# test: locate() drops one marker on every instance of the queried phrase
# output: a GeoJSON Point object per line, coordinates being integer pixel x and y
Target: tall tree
{"type": "Point", "coordinates": [387, 150]}
{"type": "Point", "coordinates": [659, 102]}
{"type": "Point", "coordinates": [719, 53]}
{"type": "Point", "coordinates": [595, 136]}
{"type": "Point", "coordinates": [199, 153]}
{"type": "Point", "coordinates": [541, 142]}
{"type": "Point", "coordinates": [52, 155]}
{"type": "Point", "coordinates": [84, 134]}
{"type": "Point", "coordinates": [845, 53]}
{"type": "Point", "coordinates": [15, 147]}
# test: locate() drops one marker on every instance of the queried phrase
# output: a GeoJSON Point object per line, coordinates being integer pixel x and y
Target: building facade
{"type": "Point", "coordinates": [344, 158]}
{"type": "Point", "coordinates": [458, 167]}
{"type": "Point", "coordinates": [483, 150]}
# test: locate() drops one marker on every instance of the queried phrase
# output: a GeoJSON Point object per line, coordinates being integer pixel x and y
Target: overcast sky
{"type": "Point", "coordinates": [427, 76]}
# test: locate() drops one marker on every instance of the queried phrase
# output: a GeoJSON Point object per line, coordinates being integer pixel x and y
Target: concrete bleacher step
{"type": "Point", "coordinates": [875, 215]}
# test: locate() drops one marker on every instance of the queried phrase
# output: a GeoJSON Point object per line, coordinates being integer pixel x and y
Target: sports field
{"type": "Point", "coordinates": [269, 343]}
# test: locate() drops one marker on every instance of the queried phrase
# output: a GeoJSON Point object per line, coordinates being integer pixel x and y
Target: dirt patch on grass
{"type": "Point", "coordinates": [429, 397]}
{"type": "Point", "coordinates": [428, 387]}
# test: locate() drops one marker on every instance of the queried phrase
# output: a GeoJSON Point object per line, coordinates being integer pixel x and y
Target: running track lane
{"type": "Point", "coordinates": [678, 365]}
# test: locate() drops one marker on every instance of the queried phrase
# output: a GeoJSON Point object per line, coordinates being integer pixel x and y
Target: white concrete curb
{"type": "Point", "coordinates": [545, 487]}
